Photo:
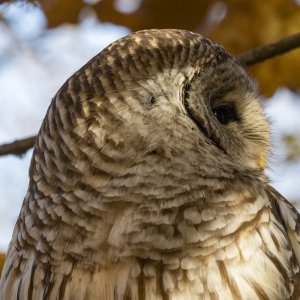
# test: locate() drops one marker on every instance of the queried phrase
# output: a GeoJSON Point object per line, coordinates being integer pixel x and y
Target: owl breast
{"type": "Point", "coordinates": [253, 266]}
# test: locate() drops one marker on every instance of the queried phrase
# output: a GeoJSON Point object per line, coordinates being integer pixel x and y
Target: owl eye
{"type": "Point", "coordinates": [225, 114]}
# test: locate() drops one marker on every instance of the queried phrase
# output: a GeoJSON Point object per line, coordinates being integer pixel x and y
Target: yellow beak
{"type": "Point", "coordinates": [262, 161]}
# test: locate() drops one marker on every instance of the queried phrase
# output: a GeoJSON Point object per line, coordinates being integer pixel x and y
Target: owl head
{"type": "Point", "coordinates": [154, 103]}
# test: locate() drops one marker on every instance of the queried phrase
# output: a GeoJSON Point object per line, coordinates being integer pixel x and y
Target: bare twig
{"type": "Point", "coordinates": [17, 147]}
{"type": "Point", "coordinates": [249, 58]}
{"type": "Point", "coordinates": [265, 52]}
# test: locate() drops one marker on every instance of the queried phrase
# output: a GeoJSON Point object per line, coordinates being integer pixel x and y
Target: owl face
{"type": "Point", "coordinates": [223, 103]}
{"type": "Point", "coordinates": [209, 117]}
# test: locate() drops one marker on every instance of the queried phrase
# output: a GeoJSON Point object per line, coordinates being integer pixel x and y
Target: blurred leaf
{"type": "Point", "coordinates": [249, 24]}
{"type": "Point", "coordinates": [2, 259]}
{"type": "Point", "coordinates": [150, 14]}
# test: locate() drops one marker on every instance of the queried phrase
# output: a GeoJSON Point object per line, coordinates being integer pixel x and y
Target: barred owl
{"type": "Point", "coordinates": [147, 182]}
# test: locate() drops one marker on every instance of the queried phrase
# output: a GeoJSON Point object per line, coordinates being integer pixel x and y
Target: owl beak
{"type": "Point", "coordinates": [262, 162]}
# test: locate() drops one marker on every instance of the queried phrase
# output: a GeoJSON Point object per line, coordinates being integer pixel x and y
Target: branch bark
{"type": "Point", "coordinates": [268, 51]}
{"type": "Point", "coordinates": [248, 58]}
{"type": "Point", "coordinates": [17, 147]}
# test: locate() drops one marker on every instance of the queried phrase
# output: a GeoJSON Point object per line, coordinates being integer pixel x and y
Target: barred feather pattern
{"type": "Point", "coordinates": [128, 199]}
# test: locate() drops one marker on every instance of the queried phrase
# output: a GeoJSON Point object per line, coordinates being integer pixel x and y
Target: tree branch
{"type": "Point", "coordinates": [249, 58]}
{"type": "Point", "coordinates": [265, 52]}
{"type": "Point", "coordinates": [17, 147]}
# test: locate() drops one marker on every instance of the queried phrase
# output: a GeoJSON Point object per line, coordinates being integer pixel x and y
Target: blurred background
{"type": "Point", "coordinates": [43, 42]}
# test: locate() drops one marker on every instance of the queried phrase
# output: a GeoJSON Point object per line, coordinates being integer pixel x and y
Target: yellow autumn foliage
{"type": "Point", "coordinates": [2, 259]}
{"type": "Point", "coordinates": [249, 24]}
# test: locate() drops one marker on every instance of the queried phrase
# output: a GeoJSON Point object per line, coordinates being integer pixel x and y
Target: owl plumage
{"type": "Point", "coordinates": [147, 182]}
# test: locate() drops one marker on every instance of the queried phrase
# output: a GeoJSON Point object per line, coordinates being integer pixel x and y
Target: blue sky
{"type": "Point", "coordinates": [35, 62]}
